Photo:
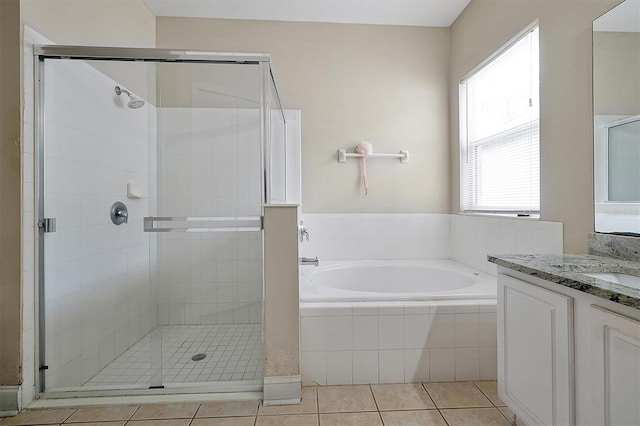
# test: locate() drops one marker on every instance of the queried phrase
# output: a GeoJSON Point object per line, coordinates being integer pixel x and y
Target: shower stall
{"type": "Point", "coordinates": [153, 167]}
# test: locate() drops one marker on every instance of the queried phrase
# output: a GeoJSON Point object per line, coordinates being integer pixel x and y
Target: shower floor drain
{"type": "Point", "coordinates": [198, 357]}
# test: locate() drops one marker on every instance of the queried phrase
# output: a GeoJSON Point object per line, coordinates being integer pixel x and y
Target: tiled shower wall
{"type": "Point", "coordinates": [99, 298]}
{"type": "Point", "coordinates": [210, 166]}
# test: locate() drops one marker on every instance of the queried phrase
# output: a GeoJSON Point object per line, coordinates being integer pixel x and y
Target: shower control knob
{"type": "Point", "coordinates": [119, 213]}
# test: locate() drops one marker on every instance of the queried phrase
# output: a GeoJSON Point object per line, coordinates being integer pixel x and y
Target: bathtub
{"type": "Point", "coordinates": [366, 322]}
{"type": "Point", "coordinates": [392, 280]}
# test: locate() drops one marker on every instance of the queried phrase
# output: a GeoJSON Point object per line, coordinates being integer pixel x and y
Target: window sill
{"type": "Point", "coordinates": [534, 216]}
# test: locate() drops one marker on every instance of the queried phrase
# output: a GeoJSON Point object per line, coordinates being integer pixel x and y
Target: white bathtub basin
{"type": "Point", "coordinates": [352, 281]}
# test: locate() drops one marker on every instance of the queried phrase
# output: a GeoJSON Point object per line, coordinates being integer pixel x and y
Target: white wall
{"type": "Point", "coordinates": [566, 129]}
{"type": "Point", "coordinates": [210, 166]}
{"type": "Point", "coordinates": [383, 84]}
{"type": "Point", "coordinates": [99, 298]}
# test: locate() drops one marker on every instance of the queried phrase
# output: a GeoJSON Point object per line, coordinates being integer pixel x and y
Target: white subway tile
{"type": "Point", "coordinates": [488, 329]}
{"type": "Point", "coordinates": [313, 334]}
{"type": "Point", "coordinates": [365, 332]}
{"type": "Point", "coordinates": [314, 367]}
{"type": "Point", "coordinates": [391, 366]}
{"type": "Point", "coordinates": [339, 367]}
{"type": "Point", "coordinates": [488, 363]}
{"type": "Point", "coordinates": [365, 367]}
{"type": "Point", "coordinates": [493, 236]}
{"type": "Point", "coordinates": [442, 331]}
{"type": "Point", "coordinates": [467, 330]}
{"type": "Point", "coordinates": [467, 364]}
{"type": "Point", "coordinates": [339, 333]}
{"type": "Point", "coordinates": [442, 365]}
{"type": "Point", "coordinates": [416, 365]}
{"type": "Point", "coordinates": [391, 331]}
{"type": "Point", "coordinates": [416, 331]}
{"type": "Point", "coordinates": [524, 239]}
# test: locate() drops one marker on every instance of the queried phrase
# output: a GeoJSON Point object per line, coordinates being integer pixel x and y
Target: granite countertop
{"type": "Point", "coordinates": [566, 270]}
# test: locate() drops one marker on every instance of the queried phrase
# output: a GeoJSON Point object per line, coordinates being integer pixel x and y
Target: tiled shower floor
{"type": "Point", "coordinates": [233, 352]}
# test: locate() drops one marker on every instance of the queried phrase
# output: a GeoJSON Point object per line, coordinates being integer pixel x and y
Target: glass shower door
{"type": "Point", "coordinates": [208, 225]}
{"type": "Point", "coordinates": [97, 302]}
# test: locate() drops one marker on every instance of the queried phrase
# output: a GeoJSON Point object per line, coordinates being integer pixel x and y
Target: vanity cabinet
{"type": "Point", "coordinates": [615, 368]}
{"type": "Point", "coordinates": [535, 352]}
{"type": "Point", "coordinates": [566, 357]}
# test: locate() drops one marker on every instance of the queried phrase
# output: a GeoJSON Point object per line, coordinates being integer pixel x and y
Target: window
{"type": "Point", "coordinates": [500, 131]}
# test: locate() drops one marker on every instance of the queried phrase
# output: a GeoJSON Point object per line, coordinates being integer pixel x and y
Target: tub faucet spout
{"type": "Point", "coordinates": [309, 261]}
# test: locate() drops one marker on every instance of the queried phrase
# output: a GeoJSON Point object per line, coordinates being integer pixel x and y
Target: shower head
{"type": "Point", "coordinates": [134, 101]}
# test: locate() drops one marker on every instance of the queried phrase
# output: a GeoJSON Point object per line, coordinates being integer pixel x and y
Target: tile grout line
{"type": "Point", "coordinates": [375, 401]}
{"type": "Point", "coordinates": [69, 416]}
{"type": "Point", "coordinates": [492, 403]}
{"type": "Point", "coordinates": [317, 404]}
{"type": "Point", "coordinates": [424, 386]}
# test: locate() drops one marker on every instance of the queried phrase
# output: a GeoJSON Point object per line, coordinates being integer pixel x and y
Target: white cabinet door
{"type": "Point", "coordinates": [535, 352]}
{"type": "Point", "coordinates": [615, 368]}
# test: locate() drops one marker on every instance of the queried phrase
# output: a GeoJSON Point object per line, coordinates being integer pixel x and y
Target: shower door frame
{"type": "Point", "coordinates": [120, 54]}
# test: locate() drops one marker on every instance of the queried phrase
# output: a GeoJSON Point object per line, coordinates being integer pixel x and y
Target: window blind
{"type": "Point", "coordinates": [499, 112]}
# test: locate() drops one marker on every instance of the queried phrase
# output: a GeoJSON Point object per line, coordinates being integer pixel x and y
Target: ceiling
{"type": "Point", "coordinates": [623, 18]}
{"type": "Point", "coordinates": [430, 13]}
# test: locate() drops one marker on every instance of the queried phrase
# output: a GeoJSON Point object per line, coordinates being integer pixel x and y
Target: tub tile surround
{"type": "Point", "coordinates": [473, 237]}
{"type": "Point", "coordinates": [401, 342]}
{"type": "Point", "coordinates": [465, 238]}
{"type": "Point", "coordinates": [404, 342]}
{"type": "Point", "coordinates": [377, 236]}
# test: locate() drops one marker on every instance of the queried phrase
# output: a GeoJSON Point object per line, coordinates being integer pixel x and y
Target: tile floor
{"type": "Point", "coordinates": [234, 352]}
{"type": "Point", "coordinates": [427, 404]}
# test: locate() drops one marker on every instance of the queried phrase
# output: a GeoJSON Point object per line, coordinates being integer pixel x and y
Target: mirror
{"type": "Point", "coordinates": [616, 109]}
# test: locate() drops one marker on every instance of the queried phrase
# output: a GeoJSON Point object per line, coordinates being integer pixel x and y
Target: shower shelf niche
{"type": "Point", "coordinates": [343, 155]}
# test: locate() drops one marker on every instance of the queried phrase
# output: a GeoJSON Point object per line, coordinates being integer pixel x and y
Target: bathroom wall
{"type": "Point", "coordinates": [10, 295]}
{"type": "Point", "coordinates": [383, 84]}
{"type": "Point", "coordinates": [209, 165]}
{"type": "Point", "coordinates": [566, 129]}
{"type": "Point", "coordinates": [99, 299]}
{"type": "Point", "coordinates": [125, 23]}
